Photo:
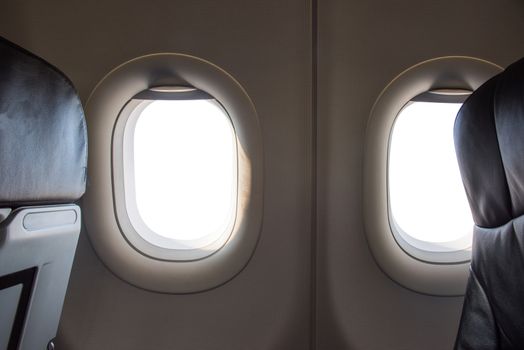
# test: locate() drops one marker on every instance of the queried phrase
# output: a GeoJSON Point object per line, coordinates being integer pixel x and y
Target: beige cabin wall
{"type": "Point", "coordinates": [363, 45]}
{"type": "Point", "coordinates": [265, 45]}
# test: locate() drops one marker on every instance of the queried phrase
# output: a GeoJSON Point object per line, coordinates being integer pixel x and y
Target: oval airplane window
{"type": "Point", "coordinates": [417, 220]}
{"type": "Point", "coordinates": [180, 171]}
{"type": "Point", "coordinates": [424, 182]}
{"type": "Point", "coordinates": [175, 195]}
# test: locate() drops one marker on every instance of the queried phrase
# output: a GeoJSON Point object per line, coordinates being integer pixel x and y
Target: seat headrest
{"type": "Point", "coordinates": [489, 142]}
{"type": "Point", "coordinates": [43, 136]}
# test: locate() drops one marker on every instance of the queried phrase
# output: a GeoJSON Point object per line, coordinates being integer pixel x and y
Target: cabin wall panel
{"type": "Point", "coordinates": [265, 45]}
{"type": "Point", "coordinates": [363, 45]}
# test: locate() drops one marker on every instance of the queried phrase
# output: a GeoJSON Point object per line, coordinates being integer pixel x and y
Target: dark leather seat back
{"type": "Point", "coordinates": [43, 159]}
{"type": "Point", "coordinates": [489, 141]}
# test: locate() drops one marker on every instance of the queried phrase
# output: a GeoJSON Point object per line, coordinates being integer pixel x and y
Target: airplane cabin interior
{"type": "Point", "coordinates": [261, 175]}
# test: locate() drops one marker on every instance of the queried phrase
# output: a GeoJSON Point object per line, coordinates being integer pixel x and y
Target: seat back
{"type": "Point", "coordinates": [489, 141]}
{"type": "Point", "coordinates": [43, 159]}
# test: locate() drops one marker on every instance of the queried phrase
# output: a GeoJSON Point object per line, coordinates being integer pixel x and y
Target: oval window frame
{"type": "Point", "coordinates": [158, 272]}
{"type": "Point", "coordinates": [136, 231]}
{"type": "Point", "coordinates": [449, 72]}
{"type": "Point", "coordinates": [419, 249]}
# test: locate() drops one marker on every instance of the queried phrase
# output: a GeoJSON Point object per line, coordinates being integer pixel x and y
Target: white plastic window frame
{"type": "Point", "coordinates": [420, 249]}
{"type": "Point", "coordinates": [144, 265]}
{"type": "Point", "coordinates": [436, 274]}
{"type": "Point", "coordinates": [136, 231]}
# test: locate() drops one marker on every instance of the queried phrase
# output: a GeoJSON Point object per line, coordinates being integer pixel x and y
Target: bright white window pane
{"type": "Point", "coordinates": [427, 198]}
{"type": "Point", "coordinates": [185, 172]}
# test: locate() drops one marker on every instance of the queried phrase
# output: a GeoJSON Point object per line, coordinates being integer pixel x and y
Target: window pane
{"type": "Point", "coordinates": [427, 199]}
{"type": "Point", "coordinates": [185, 169]}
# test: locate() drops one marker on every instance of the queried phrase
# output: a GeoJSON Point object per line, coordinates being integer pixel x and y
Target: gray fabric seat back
{"type": "Point", "coordinates": [43, 160]}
